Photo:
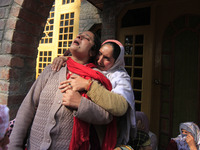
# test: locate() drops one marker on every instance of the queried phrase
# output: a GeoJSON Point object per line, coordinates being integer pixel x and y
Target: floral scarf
{"type": "Point", "coordinates": [180, 139]}
{"type": "Point", "coordinates": [4, 120]}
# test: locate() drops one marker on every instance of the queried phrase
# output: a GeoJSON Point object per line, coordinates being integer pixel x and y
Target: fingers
{"type": "Point", "coordinates": [58, 62]}
{"type": "Point", "coordinates": [190, 139]}
{"type": "Point", "coordinates": [65, 87]}
{"type": "Point", "coordinates": [58, 65]}
{"type": "Point", "coordinates": [54, 63]}
{"type": "Point", "coordinates": [71, 99]}
{"type": "Point", "coordinates": [74, 76]}
{"type": "Point", "coordinates": [66, 98]}
{"type": "Point", "coordinates": [65, 82]}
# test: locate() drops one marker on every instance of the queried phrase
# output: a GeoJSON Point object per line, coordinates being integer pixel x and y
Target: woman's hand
{"type": "Point", "coordinates": [75, 83]}
{"type": "Point", "coordinates": [58, 62]}
{"type": "Point", "coordinates": [191, 142]}
{"type": "Point", "coordinates": [71, 99]}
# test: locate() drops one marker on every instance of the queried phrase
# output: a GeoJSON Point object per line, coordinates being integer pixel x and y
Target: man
{"type": "Point", "coordinates": [43, 119]}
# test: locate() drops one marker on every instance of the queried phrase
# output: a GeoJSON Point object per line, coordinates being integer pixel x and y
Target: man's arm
{"type": "Point", "coordinates": [27, 112]}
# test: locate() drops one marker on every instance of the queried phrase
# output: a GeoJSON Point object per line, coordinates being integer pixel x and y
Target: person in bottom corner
{"type": "Point", "coordinates": [143, 123]}
{"type": "Point", "coordinates": [142, 140]}
{"type": "Point", "coordinates": [4, 125]}
{"type": "Point", "coordinates": [188, 139]}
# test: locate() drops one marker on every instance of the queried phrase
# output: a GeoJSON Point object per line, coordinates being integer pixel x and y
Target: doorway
{"type": "Point", "coordinates": [180, 76]}
{"type": "Point", "coordinates": [135, 33]}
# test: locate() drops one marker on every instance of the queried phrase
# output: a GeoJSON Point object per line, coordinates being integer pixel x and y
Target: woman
{"type": "Point", "coordinates": [188, 139]}
{"type": "Point", "coordinates": [111, 62]}
{"type": "Point", "coordinates": [45, 121]}
{"type": "Point", "coordinates": [143, 124]}
{"type": "Point", "coordinates": [4, 124]}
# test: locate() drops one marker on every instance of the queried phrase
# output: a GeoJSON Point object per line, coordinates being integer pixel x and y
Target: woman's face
{"type": "Point", "coordinates": [185, 132]}
{"type": "Point", "coordinates": [81, 46]}
{"type": "Point", "coordinates": [105, 59]}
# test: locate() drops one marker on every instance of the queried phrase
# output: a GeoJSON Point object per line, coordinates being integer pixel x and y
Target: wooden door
{"type": "Point", "coordinates": [138, 61]}
{"type": "Point", "coordinates": [135, 31]}
{"type": "Point", "coordinates": [180, 76]}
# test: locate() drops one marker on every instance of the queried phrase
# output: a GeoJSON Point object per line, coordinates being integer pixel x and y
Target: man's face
{"type": "Point", "coordinates": [81, 46]}
{"type": "Point", "coordinates": [105, 59]}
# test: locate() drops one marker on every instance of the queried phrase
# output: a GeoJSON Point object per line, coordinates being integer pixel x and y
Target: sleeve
{"type": "Point", "coordinates": [114, 103]}
{"type": "Point", "coordinates": [26, 112]}
{"type": "Point", "coordinates": [172, 145]}
{"type": "Point", "coordinates": [147, 143]}
{"type": "Point", "coordinates": [92, 113]}
{"type": "Point", "coordinates": [154, 142]}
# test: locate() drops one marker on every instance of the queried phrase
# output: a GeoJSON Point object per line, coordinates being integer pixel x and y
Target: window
{"type": "Point", "coordinates": [67, 1]}
{"type": "Point", "coordinates": [65, 32]}
{"type": "Point", "coordinates": [44, 60]}
{"type": "Point", "coordinates": [47, 36]}
{"type": "Point", "coordinates": [134, 64]}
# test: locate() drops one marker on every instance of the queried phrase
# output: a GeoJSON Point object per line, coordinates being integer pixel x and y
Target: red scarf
{"type": "Point", "coordinates": [80, 132]}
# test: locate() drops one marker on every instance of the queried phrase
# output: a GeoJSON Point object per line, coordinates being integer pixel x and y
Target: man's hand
{"type": "Point", "coordinates": [71, 99]}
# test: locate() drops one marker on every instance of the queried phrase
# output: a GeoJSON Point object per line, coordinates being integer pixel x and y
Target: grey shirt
{"type": "Point", "coordinates": [45, 121]}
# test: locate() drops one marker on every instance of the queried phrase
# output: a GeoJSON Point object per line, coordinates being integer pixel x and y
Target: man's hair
{"type": "Point", "coordinates": [95, 48]}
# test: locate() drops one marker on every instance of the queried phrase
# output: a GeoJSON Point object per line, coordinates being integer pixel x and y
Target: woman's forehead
{"type": "Point", "coordinates": [88, 34]}
{"type": "Point", "coordinates": [107, 49]}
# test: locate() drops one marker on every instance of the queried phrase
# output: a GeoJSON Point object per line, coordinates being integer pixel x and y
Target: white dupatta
{"type": "Point", "coordinates": [121, 84]}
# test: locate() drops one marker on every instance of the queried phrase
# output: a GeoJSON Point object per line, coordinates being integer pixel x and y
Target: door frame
{"type": "Point", "coordinates": [149, 30]}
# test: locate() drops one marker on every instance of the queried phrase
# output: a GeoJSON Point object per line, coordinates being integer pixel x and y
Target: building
{"type": "Point", "coordinates": [61, 28]}
{"type": "Point", "coordinates": [161, 38]}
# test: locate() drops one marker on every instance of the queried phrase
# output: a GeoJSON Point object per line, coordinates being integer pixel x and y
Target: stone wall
{"type": "Point", "coordinates": [89, 16]}
{"type": "Point", "coordinates": [21, 26]}
{"type": "Point", "coordinates": [111, 11]}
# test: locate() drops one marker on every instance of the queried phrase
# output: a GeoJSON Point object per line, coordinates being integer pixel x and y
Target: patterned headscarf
{"type": "Point", "coordinates": [193, 129]}
{"type": "Point", "coordinates": [121, 84]}
{"type": "Point", "coordinates": [4, 120]}
{"type": "Point", "coordinates": [144, 119]}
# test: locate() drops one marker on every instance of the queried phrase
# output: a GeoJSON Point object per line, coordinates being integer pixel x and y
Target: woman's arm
{"type": "Point", "coordinates": [92, 113]}
{"type": "Point", "coordinates": [85, 109]}
{"type": "Point", "coordinates": [111, 102]}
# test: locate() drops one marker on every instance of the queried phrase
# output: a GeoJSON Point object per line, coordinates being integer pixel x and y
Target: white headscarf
{"type": "Point", "coordinates": [121, 84]}
{"type": "Point", "coordinates": [193, 129]}
{"type": "Point", "coordinates": [4, 120]}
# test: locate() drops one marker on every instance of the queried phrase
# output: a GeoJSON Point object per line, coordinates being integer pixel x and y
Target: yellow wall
{"type": "Point", "coordinates": [61, 28]}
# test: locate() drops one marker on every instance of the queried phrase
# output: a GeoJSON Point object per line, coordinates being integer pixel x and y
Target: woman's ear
{"type": "Point", "coordinates": [92, 53]}
{"type": "Point", "coordinates": [140, 125]}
